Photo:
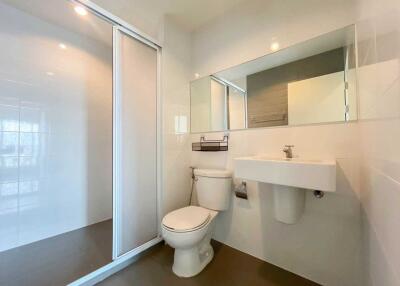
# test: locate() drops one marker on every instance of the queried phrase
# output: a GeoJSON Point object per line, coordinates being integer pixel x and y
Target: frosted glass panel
{"type": "Point", "coordinates": [137, 141]}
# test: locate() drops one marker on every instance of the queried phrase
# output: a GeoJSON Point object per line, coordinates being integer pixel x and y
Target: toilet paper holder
{"type": "Point", "coordinates": [241, 190]}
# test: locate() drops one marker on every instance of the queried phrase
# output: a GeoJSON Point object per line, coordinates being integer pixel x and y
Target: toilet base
{"type": "Point", "coordinates": [190, 262]}
{"type": "Point", "coordinates": [193, 250]}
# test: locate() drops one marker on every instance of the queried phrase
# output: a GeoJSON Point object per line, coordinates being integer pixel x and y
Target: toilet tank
{"type": "Point", "coordinates": [213, 188]}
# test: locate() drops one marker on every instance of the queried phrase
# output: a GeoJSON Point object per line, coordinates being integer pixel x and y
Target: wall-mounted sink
{"type": "Point", "coordinates": [291, 178]}
{"type": "Point", "coordinates": [296, 172]}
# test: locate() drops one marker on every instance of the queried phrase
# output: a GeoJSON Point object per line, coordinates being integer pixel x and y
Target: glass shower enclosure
{"type": "Point", "coordinates": [79, 141]}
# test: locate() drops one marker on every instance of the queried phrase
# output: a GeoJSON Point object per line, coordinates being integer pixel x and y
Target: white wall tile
{"type": "Point", "coordinates": [176, 70]}
{"type": "Point", "coordinates": [55, 165]}
{"type": "Point", "coordinates": [325, 245]}
{"type": "Point", "coordinates": [379, 96]}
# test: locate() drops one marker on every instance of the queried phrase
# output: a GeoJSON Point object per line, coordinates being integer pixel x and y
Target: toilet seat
{"type": "Point", "coordinates": [186, 219]}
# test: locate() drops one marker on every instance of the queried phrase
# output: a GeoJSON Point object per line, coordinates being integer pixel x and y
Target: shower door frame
{"type": "Point", "coordinates": [117, 30]}
{"type": "Point", "coordinates": [122, 261]}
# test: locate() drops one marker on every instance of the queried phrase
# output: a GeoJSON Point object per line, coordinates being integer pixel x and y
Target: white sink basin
{"type": "Point", "coordinates": [297, 172]}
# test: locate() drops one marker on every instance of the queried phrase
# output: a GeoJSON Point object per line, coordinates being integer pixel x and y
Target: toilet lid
{"type": "Point", "coordinates": [186, 218]}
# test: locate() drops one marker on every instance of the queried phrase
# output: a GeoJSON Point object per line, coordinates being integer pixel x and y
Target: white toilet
{"type": "Point", "coordinates": [189, 229]}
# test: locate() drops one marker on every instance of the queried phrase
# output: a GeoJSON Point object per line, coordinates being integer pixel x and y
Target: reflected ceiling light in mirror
{"type": "Point", "coordinates": [81, 11]}
{"type": "Point", "coordinates": [62, 46]}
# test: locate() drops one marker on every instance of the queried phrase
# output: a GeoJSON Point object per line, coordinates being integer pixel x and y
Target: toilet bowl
{"type": "Point", "coordinates": [189, 229]}
{"type": "Point", "coordinates": [191, 242]}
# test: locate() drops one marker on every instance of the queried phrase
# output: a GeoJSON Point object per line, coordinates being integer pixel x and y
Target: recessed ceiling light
{"type": "Point", "coordinates": [274, 46]}
{"type": "Point", "coordinates": [196, 75]}
{"type": "Point", "coordinates": [49, 73]}
{"type": "Point", "coordinates": [62, 46]}
{"type": "Point", "coordinates": [80, 10]}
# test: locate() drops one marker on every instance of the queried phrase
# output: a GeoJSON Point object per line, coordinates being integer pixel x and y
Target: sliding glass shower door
{"type": "Point", "coordinates": [135, 142]}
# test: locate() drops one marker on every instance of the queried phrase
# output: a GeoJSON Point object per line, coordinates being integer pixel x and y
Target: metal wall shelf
{"type": "Point", "coordinates": [211, 145]}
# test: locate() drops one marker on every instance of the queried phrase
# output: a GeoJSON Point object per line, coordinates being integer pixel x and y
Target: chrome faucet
{"type": "Point", "coordinates": [288, 151]}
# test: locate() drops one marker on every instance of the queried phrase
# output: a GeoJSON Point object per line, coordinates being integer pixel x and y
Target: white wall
{"type": "Point", "coordinates": [325, 245]}
{"type": "Point", "coordinates": [55, 130]}
{"type": "Point", "coordinates": [176, 62]}
{"type": "Point", "coordinates": [379, 96]}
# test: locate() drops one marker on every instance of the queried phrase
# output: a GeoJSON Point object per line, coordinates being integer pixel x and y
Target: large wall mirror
{"type": "Point", "coordinates": [310, 82]}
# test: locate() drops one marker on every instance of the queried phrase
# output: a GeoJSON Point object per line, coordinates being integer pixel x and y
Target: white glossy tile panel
{"type": "Point", "coordinates": [176, 73]}
{"type": "Point", "coordinates": [379, 96]}
{"type": "Point", "coordinates": [55, 123]}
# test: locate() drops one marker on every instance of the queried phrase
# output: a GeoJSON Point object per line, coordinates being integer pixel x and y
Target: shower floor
{"type": "Point", "coordinates": [58, 260]}
{"type": "Point", "coordinates": [229, 267]}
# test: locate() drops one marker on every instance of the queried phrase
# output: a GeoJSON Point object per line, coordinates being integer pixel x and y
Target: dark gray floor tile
{"type": "Point", "coordinates": [229, 267]}
{"type": "Point", "coordinates": [58, 260]}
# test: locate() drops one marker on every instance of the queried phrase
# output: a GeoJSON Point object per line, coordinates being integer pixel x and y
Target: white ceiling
{"type": "Point", "coordinates": [194, 13]}
{"type": "Point", "coordinates": [147, 15]}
